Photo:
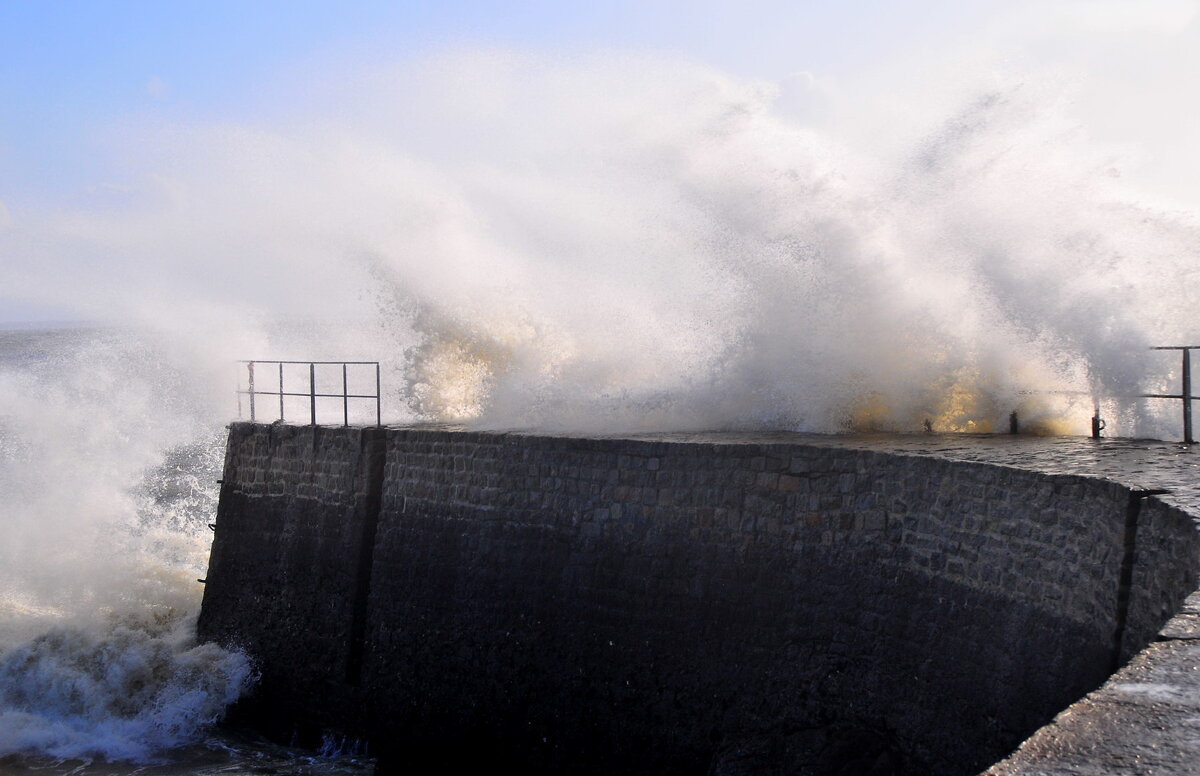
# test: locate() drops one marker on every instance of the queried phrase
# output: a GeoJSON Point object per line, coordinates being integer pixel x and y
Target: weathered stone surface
{"type": "Point", "coordinates": [1186, 622]}
{"type": "Point", "coordinates": [679, 603]}
{"type": "Point", "coordinates": [1144, 720]}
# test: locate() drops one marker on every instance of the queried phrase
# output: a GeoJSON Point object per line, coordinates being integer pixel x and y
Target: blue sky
{"type": "Point", "coordinates": [79, 79]}
{"type": "Point", "coordinates": [71, 69]}
{"type": "Point", "coordinates": [68, 65]}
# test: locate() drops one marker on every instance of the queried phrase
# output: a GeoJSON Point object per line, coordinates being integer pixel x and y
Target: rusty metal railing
{"type": "Point", "coordinates": [252, 391]}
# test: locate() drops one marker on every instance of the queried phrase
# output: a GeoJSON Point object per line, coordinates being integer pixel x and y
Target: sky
{"type": "Point", "coordinates": [86, 87]}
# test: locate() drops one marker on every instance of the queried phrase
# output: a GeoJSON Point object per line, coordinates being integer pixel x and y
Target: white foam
{"type": "Point", "coordinates": [124, 692]}
{"type": "Point", "coordinates": [107, 477]}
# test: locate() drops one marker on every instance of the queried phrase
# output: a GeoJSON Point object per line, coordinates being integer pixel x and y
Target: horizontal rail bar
{"type": "Point", "coordinates": [318, 363]}
{"type": "Point", "coordinates": [1103, 396]}
{"type": "Point", "coordinates": [318, 395]}
{"type": "Point", "coordinates": [1056, 393]}
{"type": "Point", "coordinates": [1176, 347]}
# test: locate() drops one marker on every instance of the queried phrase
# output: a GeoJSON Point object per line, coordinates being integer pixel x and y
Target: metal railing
{"type": "Point", "coordinates": [252, 391]}
{"type": "Point", "coordinates": [1185, 393]}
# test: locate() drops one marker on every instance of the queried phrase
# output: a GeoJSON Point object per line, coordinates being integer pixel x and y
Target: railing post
{"type": "Point", "coordinates": [1187, 396]}
{"type": "Point", "coordinates": [378, 400]}
{"type": "Point", "coordinates": [345, 398]}
{"type": "Point", "coordinates": [312, 391]}
{"type": "Point", "coordinates": [280, 391]}
{"type": "Point", "coordinates": [1097, 422]}
{"type": "Point", "coordinates": [250, 369]}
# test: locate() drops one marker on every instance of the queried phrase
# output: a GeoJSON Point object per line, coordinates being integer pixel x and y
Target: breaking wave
{"type": "Point", "coordinates": [127, 691]}
{"type": "Point", "coordinates": [629, 242]}
{"type": "Point", "coordinates": [108, 476]}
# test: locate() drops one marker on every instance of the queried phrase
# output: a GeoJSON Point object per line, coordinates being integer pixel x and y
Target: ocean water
{"type": "Point", "coordinates": [107, 485]}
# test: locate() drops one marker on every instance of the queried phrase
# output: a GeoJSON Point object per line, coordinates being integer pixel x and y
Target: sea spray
{"type": "Point", "coordinates": [699, 261]}
{"type": "Point", "coordinates": [625, 242]}
{"type": "Point", "coordinates": [109, 478]}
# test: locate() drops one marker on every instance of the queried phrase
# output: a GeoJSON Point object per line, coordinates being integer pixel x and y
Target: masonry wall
{"type": "Point", "coordinates": [658, 607]}
{"type": "Point", "coordinates": [1164, 562]}
{"type": "Point", "coordinates": [287, 561]}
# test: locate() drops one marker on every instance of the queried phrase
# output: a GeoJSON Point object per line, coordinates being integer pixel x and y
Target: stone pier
{"type": "Point", "coordinates": [713, 603]}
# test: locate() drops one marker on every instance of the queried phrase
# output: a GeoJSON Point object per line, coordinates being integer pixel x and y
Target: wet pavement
{"type": "Point", "coordinates": [1143, 464]}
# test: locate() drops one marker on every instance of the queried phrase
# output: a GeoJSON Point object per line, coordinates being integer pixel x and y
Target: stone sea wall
{"type": "Point", "coordinates": [641, 605]}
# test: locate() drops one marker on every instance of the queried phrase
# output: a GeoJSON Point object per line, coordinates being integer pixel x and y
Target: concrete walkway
{"type": "Point", "coordinates": [1137, 463]}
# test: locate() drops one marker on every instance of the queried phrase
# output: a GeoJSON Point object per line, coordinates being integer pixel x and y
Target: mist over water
{"type": "Point", "coordinates": [604, 244]}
